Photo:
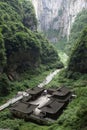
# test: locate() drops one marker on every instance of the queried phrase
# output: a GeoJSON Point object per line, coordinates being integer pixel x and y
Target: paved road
{"type": "Point", "coordinates": [13, 100]}
{"type": "Point", "coordinates": [49, 78]}
{"type": "Point", "coordinates": [22, 94]}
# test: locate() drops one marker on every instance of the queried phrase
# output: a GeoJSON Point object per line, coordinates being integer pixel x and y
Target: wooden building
{"type": "Point", "coordinates": [29, 107]}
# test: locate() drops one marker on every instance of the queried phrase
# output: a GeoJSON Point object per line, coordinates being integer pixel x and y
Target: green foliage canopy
{"type": "Point", "coordinates": [78, 59]}
{"type": "Point", "coordinates": [78, 26]}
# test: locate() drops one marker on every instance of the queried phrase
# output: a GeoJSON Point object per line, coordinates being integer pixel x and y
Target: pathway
{"type": "Point", "coordinates": [49, 78]}
{"type": "Point", "coordinates": [22, 94]}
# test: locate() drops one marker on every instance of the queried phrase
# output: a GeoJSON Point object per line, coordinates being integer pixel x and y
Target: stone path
{"type": "Point", "coordinates": [49, 78]}
{"type": "Point", "coordinates": [22, 94]}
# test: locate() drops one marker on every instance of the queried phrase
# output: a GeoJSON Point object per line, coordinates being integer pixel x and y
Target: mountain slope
{"type": "Point", "coordinates": [23, 51]}
{"type": "Point", "coordinates": [56, 17]}
{"type": "Point", "coordinates": [78, 26]}
{"type": "Point", "coordinates": [78, 59]}
{"type": "Point", "coordinates": [23, 47]}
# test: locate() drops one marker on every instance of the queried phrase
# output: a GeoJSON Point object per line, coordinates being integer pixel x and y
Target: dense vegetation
{"type": "Point", "coordinates": [76, 29]}
{"type": "Point", "coordinates": [78, 59]}
{"type": "Point", "coordinates": [78, 26]}
{"type": "Point", "coordinates": [73, 118]}
{"type": "Point", "coordinates": [74, 77]}
{"type": "Point", "coordinates": [23, 51]}
{"type": "Point", "coordinates": [2, 53]}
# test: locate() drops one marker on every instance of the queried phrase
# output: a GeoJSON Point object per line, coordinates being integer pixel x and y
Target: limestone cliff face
{"type": "Point", "coordinates": [46, 11]}
{"type": "Point", "coordinates": [57, 15]}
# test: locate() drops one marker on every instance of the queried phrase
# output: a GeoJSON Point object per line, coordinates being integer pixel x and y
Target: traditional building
{"type": "Point", "coordinates": [42, 105]}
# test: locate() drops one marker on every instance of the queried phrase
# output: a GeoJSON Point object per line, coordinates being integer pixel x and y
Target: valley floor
{"type": "Point", "coordinates": [73, 118]}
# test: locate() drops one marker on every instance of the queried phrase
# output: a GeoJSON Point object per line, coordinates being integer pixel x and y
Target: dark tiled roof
{"type": "Point", "coordinates": [35, 90]}
{"type": "Point", "coordinates": [53, 107]}
{"type": "Point", "coordinates": [58, 100]}
{"type": "Point", "coordinates": [23, 107]}
{"type": "Point", "coordinates": [27, 99]}
{"type": "Point", "coordinates": [61, 92]}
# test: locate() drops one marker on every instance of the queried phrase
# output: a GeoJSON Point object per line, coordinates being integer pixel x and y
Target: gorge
{"type": "Point", "coordinates": [27, 57]}
{"type": "Point", "coordinates": [57, 16]}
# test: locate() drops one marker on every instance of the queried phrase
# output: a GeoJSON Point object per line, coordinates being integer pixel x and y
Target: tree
{"type": "Point", "coordinates": [2, 53]}
{"type": "Point", "coordinates": [4, 85]}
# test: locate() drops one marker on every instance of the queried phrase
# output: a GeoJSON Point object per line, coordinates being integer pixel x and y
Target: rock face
{"type": "Point", "coordinates": [57, 15]}
{"type": "Point", "coordinates": [21, 49]}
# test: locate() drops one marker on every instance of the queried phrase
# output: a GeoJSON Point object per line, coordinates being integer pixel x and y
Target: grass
{"type": "Point", "coordinates": [30, 82]}
{"type": "Point", "coordinates": [63, 56]}
{"type": "Point", "coordinates": [6, 119]}
{"type": "Point", "coordinates": [73, 118]}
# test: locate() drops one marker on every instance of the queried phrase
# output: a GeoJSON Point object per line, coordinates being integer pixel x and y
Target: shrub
{"type": "Point", "coordinates": [4, 85]}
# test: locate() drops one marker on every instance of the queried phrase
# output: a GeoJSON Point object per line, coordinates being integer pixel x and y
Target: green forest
{"type": "Point", "coordinates": [23, 50]}
{"type": "Point", "coordinates": [27, 57]}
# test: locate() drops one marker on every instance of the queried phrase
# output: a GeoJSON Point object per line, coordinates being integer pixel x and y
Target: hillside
{"type": "Point", "coordinates": [75, 78]}
{"type": "Point", "coordinates": [78, 58]}
{"type": "Point", "coordinates": [27, 57]}
{"type": "Point", "coordinates": [78, 26]}
{"type": "Point", "coordinates": [22, 47]}
{"type": "Point", "coordinates": [23, 51]}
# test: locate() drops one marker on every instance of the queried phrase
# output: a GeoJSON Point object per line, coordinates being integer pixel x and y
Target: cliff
{"type": "Point", "coordinates": [22, 49]}
{"type": "Point", "coordinates": [57, 16]}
